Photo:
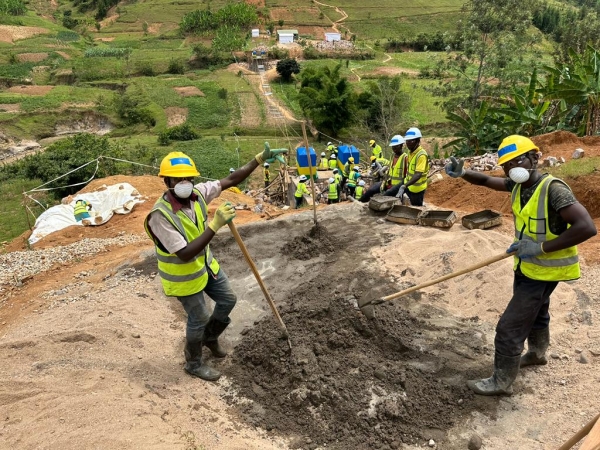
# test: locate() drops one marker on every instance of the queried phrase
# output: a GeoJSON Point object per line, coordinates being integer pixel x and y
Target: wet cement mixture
{"type": "Point", "coordinates": [350, 382]}
{"type": "Point", "coordinates": [316, 242]}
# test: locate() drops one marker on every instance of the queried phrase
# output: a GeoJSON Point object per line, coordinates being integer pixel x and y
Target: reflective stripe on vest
{"type": "Point", "coordinates": [333, 191]}
{"type": "Point", "coordinates": [323, 164]}
{"type": "Point", "coordinates": [398, 169]}
{"type": "Point", "coordinates": [178, 277]}
{"type": "Point", "coordinates": [301, 189]}
{"type": "Point", "coordinates": [421, 183]}
{"type": "Point", "coordinates": [353, 178]}
{"type": "Point", "coordinates": [531, 222]}
{"type": "Point", "coordinates": [80, 207]}
{"type": "Point", "coordinates": [359, 191]}
{"type": "Point", "coordinates": [338, 178]}
{"type": "Point", "coordinates": [332, 163]}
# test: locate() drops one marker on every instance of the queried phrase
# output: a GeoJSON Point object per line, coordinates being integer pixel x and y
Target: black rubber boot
{"type": "Point", "coordinates": [212, 331]}
{"type": "Point", "coordinates": [195, 366]}
{"type": "Point", "coordinates": [537, 344]}
{"type": "Point", "coordinates": [506, 369]}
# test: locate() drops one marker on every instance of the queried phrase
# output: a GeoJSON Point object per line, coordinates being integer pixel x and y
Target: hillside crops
{"type": "Point", "coordinates": [232, 15]}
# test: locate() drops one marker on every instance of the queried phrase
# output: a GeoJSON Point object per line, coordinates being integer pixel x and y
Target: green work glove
{"type": "Point", "coordinates": [223, 215]}
{"type": "Point", "coordinates": [269, 155]}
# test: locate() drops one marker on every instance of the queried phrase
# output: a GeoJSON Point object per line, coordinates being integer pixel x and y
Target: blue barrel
{"type": "Point", "coordinates": [345, 152]}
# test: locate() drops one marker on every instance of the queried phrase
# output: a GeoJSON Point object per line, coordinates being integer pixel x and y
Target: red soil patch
{"type": "Point", "coordinates": [31, 90]}
{"type": "Point", "coordinates": [563, 143]}
{"type": "Point", "coordinates": [189, 91]}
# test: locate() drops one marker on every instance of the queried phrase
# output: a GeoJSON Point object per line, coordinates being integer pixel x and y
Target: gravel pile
{"type": "Point", "coordinates": [335, 46]}
{"type": "Point", "coordinates": [15, 266]}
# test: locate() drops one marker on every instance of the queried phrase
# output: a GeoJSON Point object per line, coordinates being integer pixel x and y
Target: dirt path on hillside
{"type": "Point", "coordinates": [335, 24]}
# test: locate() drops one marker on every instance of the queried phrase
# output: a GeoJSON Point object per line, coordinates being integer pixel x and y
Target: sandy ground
{"type": "Point", "coordinates": [11, 33]}
{"type": "Point", "coordinates": [30, 90]}
{"type": "Point", "coordinates": [189, 91]}
{"type": "Point", "coordinates": [92, 349]}
{"type": "Point", "coordinates": [175, 115]}
{"type": "Point", "coordinates": [31, 57]}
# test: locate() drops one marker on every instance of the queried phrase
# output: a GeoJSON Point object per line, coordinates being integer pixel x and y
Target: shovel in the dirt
{"type": "Point", "coordinates": [259, 279]}
{"type": "Point", "coordinates": [366, 305]}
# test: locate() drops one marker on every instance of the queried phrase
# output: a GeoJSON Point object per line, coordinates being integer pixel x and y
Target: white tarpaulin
{"type": "Point", "coordinates": [116, 199]}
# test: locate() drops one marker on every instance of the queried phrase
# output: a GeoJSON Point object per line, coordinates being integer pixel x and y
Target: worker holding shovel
{"type": "Point", "coordinates": [178, 224]}
{"type": "Point", "coordinates": [549, 223]}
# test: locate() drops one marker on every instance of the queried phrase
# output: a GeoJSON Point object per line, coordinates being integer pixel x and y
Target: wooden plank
{"type": "Point", "coordinates": [592, 442]}
{"type": "Point", "coordinates": [580, 434]}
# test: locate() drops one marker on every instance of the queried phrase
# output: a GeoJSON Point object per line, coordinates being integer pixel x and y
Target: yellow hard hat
{"type": "Point", "coordinates": [373, 158]}
{"type": "Point", "coordinates": [513, 146]}
{"type": "Point", "coordinates": [372, 142]}
{"type": "Point", "coordinates": [351, 159]}
{"type": "Point", "coordinates": [178, 165]}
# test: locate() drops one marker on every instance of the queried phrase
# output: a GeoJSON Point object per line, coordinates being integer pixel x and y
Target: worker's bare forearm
{"type": "Point", "coordinates": [481, 179]}
{"type": "Point", "coordinates": [416, 177]}
{"type": "Point", "coordinates": [582, 228]}
{"type": "Point", "coordinates": [239, 175]}
{"type": "Point", "coordinates": [194, 248]}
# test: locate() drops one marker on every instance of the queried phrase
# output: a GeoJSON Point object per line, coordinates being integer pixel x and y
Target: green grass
{"type": "Point", "coordinates": [12, 206]}
{"type": "Point", "coordinates": [576, 168]}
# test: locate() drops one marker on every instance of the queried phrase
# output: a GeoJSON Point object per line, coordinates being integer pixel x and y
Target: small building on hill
{"type": "Point", "coordinates": [255, 32]}
{"type": "Point", "coordinates": [286, 36]}
{"type": "Point", "coordinates": [332, 36]}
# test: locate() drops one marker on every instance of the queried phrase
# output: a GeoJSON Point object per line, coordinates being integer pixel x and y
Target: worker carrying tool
{"type": "Point", "coordinates": [549, 223]}
{"type": "Point", "coordinates": [375, 149]}
{"type": "Point", "coordinates": [81, 210]}
{"type": "Point", "coordinates": [333, 192]}
{"type": "Point", "coordinates": [323, 162]}
{"type": "Point", "coordinates": [394, 177]}
{"type": "Point", "coordinates": [415, 181]}
{"type": "Point", "coordinates": [379, 168]}
{"type": "Point", "coordinates": [332, 161]}
{"type": "Point", "coordinates": [267, 174]}
{"type": "Point", "coordinates": [301, 190]}
{"type": "Point", "coordinates": [179, 227]}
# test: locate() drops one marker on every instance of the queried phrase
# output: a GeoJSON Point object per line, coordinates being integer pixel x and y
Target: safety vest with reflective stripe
{"type": "Point", "coordinates": [398, 170]}
{"type": "Point", "coordinates": [377, 151]}
{"type": "Point", "coordinates": [80, 207]}
{"type": "Point", "coordinates": [332, 149]}
{"type": "Point", "coordinates": [531, 222]}
{"type": "Point", "coordinates": [332, 164]}
{"type": "Point", "coordinates": [359, 191]}
{"type": "Point", "coordinates": [301, 190]}
{"type": "Point", "coordinates": [267, 175]}
{"type": "Point", "coordinates": [353, 178]}
{"type": "Point", "coordinates": [338, 178]}
{"type": "Point", "coordinates": [323, 165]}
{"type": "Point", "coordinates": [346, 170]}
{"type": "Point", "coordinates": [178, 277]}
{"type": "Point", "coordinates": [421, 183]}
{"type": "Point", "coordinates": [333, 191]}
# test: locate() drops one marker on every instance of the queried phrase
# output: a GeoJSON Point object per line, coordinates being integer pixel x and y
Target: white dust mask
{"type": "Point", "coordinates": [183, 189]}
{"type": "Point", "coordinates": [518, 174]}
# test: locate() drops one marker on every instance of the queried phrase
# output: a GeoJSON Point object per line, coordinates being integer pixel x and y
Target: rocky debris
{"type": "Point", "coordinates": [16, 266]}
{"type": "Point", "coordinates": [12, 149]}
{"type": "Point", "coordinates": [583, 359]}
{"type": "Point", "coordinates": [335, 46]}
{"type": "Point", "coordinates": [486, 162]}
{"type": "Point", "coordinates": [578, 153]}
{"type": "Point", "coordinates": [475, 442]}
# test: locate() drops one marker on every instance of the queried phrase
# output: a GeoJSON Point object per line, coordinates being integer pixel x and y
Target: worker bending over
{"type": "Point", "coordinates": [376, 149]}
{"type": "Point", "coordinates": [394, 177]}
{"type": "Point", "coordinates": [267, 174]}
{"type": "Point", "coordinates": [415, 182]}
{"type": "Point", "coordinates": [179, 227]}
{"type": "Point", "coordinates": [359, 189]}
{"type": "Point", "coordinates": [301, 190]}
{"type": "Point", "coordinates": [549, 223]}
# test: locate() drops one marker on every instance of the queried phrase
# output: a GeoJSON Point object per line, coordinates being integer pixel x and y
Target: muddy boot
{"type": "Point", "coordinates": [213, 330]}
{"type": "Point", "coordinates": [506, 369]}
{"type": "Point", "coordinates": [195, 366]}
{"type": "Point", "coordinates": [537, 344]}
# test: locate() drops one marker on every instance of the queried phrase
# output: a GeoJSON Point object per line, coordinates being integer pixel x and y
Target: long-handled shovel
{"type": "Point", "coordinates": [366, 305]}
{"type": "Point", "coordinates": [266, 293]}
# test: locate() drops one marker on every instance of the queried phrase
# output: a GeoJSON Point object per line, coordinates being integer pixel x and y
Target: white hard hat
{"type": "Point", "coordinates": [231, 170]}
{"type": "Point", "coordinates": [266, 164]}
{"type": "Point", "coordinates": [303, 178]}
{"type": "Point", "coordinates": [332, 156]}
{"type": "Point", "coordinates": [335, 170]}
{"type": "Point", "coordinates": [356, 168]}
{"type": "Point", "coordinates": [361, 183]}
{"type": "Point", "coordinates": [413, 133]}
{"type": "Point", "coordinates": [322, 153]}
{"type": "Point", "coordinates": [396, 140]}
{"type": "Point", "coordinates": [331, 180]}
{"type": "Point", "coordinates": [329, 143]}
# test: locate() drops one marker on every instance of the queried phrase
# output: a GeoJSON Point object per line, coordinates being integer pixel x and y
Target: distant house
{"type": "Point", "coordinates": [333, 36]}
{"type": "Point", "coordinates": [286, 36]}
{"type": "Point", "coordinates": [255, 32]}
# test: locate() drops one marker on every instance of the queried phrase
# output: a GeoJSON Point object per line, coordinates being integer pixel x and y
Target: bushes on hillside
{"type": "Point", "coordinates": [179, 133]}
{"type": "Point", "coordinates": [240, 15]}
{"type": "Point", "coordinates": [205, 57]}
{"type": "Point", "coordinates": [12, 7]}
{"type": "Point", "coordinates": [131, 108]}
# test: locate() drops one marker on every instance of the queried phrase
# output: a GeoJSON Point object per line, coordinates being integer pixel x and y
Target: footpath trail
{"type": "Point", "coordinates": [336, 23]}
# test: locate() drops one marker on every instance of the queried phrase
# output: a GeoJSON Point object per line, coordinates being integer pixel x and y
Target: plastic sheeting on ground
{"type": "Point", "coordinates": [116, 199]}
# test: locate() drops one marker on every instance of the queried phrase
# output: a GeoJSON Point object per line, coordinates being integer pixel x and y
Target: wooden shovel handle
{"type": "Point", "coordinates": [259, 279]}
{"type": "Point", "coordinates": [487, 262]}
{"type": "Point", "coordinates": [592, 425]}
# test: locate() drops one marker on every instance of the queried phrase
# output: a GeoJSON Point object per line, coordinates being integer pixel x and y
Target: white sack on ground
{"type": "Point", "coordinates": [116, 199]}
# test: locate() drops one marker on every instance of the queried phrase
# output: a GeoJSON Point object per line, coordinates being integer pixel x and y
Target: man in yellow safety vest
{"type": "Point", "coordinates": [323, 163]}
{"type": "Point", "coordinates": [376, 149]}
{"type": "Point", "coordinates": [397, 170]}
{"type": "Point", "coordinates": [415, 181]}
{"type": "Point", "coordinates": [81, 210]}
{"type": "Point", "coordinates": [332, 162]}
{"type": "Point", "coordinates": [301, 191]}
{"type": "Point", "coordinates": [267, 174]}
{"type": "Point", "coordinates": [549, 223]}
{"type": "Point", "coordinates": [179, 227]}
{"type": "Point", "coordinates": [333, 191]}
{"type": "Point", "coordinates": [359, 189]}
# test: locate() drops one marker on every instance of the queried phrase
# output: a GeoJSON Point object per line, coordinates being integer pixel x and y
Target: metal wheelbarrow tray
{"type": "Point", "coordinates": [439, 219]}
{"type": "Point", "coordinates": [383, 202]}
{"type": "Point", "coordinates": [404, 214]}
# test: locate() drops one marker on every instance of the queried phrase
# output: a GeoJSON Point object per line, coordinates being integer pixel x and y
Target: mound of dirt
{"type": "Point", "coordinates": [348, 382]}
{"type": "Point", "coordinates": [317, 242]}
